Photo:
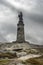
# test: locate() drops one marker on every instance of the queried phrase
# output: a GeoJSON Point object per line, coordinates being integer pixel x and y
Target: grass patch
{"type": "Point", "coordinates": [4, 62]}
{"type": "Point", "coordinates": [9, 55]}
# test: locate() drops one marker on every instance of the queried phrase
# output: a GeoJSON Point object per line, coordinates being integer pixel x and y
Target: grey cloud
{"type": "Point", "coordinates": [2, 39]}
{"type": "Point", "coordinates": [32, 39]}
{"type": "Point", "coordinates": [34, 17]}
{"type": "Point", "coordinates": [39, 6]}
{"type": "Point", "coordinates": [35, 27]}
{"type": "Point", "coordinates": [8, 29]}
{"type": "Point", "coordinates": [37, 18]}
{"type": "Point", "coordinates": [5, 3]}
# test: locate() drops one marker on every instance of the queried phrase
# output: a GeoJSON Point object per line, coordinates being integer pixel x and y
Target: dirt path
{"type": "Point", "coordinates": [28, 57]}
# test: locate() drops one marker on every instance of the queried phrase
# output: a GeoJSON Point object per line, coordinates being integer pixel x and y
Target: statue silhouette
{"type": "Point", "coordinates": [20, 16]}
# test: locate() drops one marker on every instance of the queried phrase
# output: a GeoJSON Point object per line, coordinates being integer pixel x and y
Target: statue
{"type": "Point", "coordinates": [20, 16]}
{"type": "Point", "coordinates": [20, 29]}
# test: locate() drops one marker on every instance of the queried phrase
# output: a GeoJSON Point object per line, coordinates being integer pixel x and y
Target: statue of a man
{"type": "Point", "coordinates": [20, 16]}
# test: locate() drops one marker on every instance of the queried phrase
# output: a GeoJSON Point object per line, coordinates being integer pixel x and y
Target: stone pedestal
{"type": "Point", "coordinates": [20, 29]}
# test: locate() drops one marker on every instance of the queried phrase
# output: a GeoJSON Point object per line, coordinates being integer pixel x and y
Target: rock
{"type": "Point", "coordinates": [19, 54]}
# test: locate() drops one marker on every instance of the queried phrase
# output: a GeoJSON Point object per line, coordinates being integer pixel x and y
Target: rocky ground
{"type": "Point", "coordinates": [21, 60]}
{"type": "Point", "coordinates": [25, 54]}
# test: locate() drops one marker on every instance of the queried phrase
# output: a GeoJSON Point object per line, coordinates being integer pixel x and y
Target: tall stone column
{"type": "Point", "coordinates": [20, 29]}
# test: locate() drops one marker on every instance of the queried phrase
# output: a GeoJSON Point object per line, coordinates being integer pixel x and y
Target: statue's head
{"type": "Point", "coordinates": [21, 14]}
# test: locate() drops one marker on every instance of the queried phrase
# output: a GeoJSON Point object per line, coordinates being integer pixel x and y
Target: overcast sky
{"type": "Point", "coordinates": [32, 15]}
